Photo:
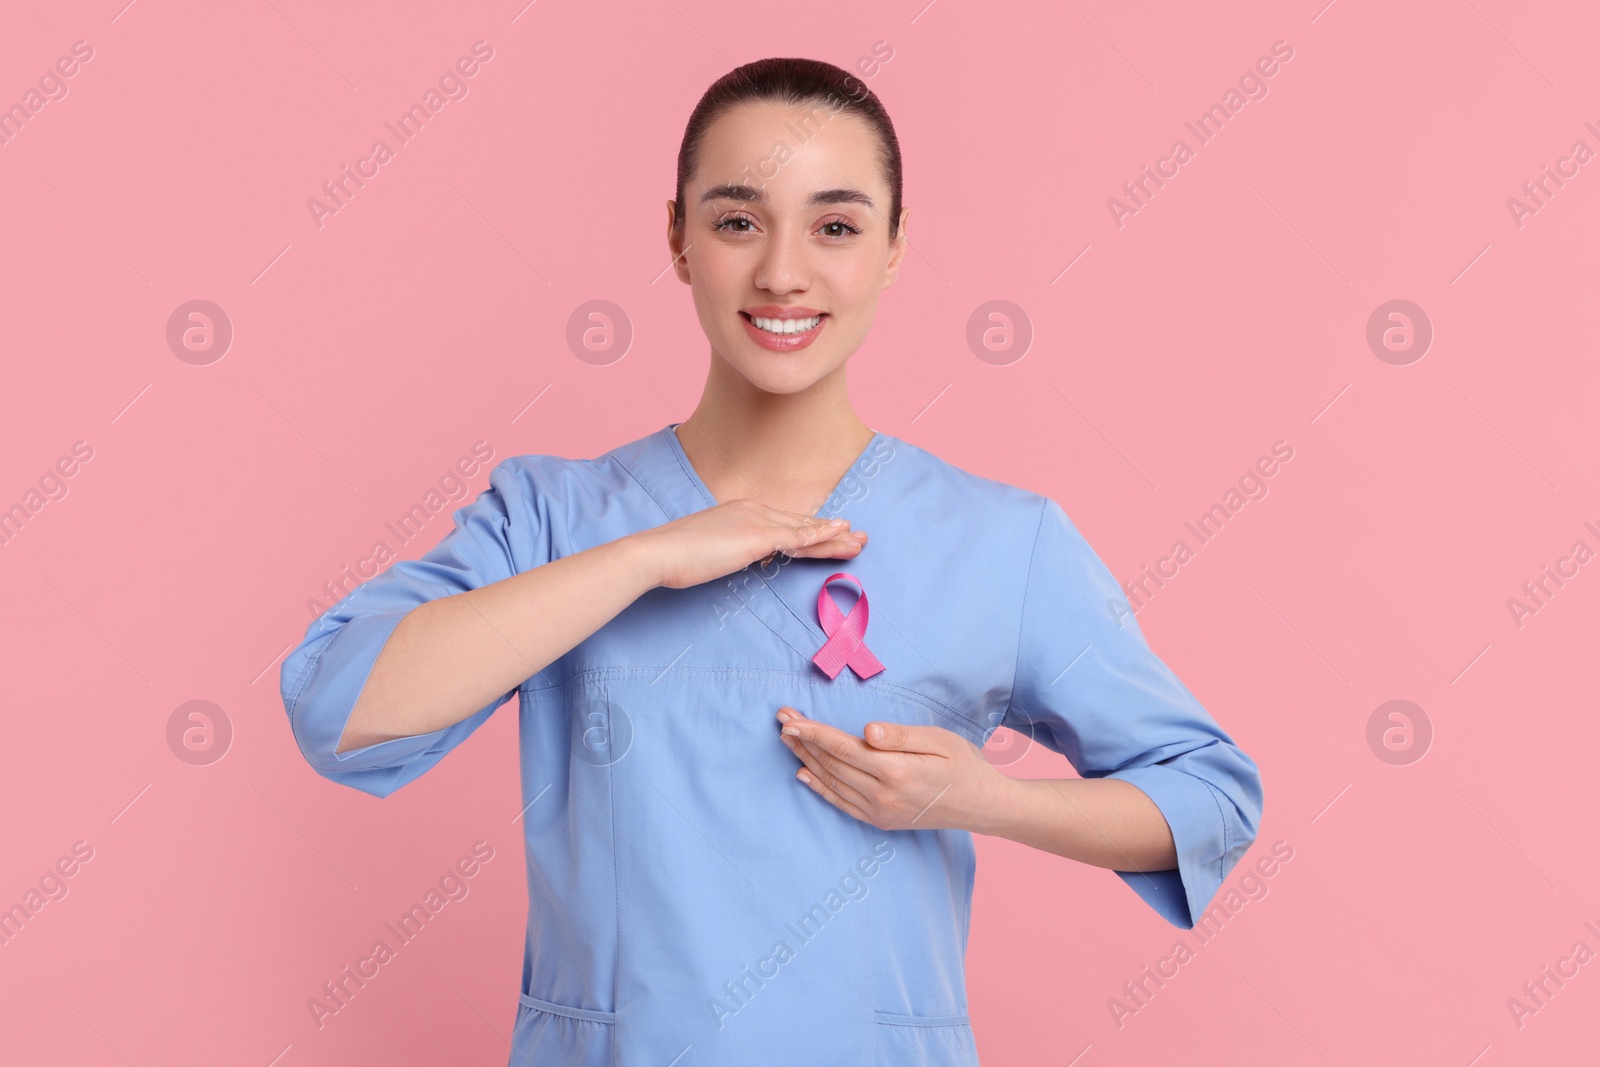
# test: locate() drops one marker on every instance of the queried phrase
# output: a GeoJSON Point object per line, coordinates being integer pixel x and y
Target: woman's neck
{"type": "Point", "coordinates": [788, 452]}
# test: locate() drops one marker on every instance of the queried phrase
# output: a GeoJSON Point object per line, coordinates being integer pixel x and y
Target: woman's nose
{"type": "Point", "coordinates": [785, 263]}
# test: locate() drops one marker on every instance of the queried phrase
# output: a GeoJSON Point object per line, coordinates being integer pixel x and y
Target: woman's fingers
{"type": "Point", "coordinates": [726, 537]}
{"type": "Point", "coordinates": [832, 796]}
{"type": "Point", "coordinates": [829, 543]}
{"type": "Point", "coordinates": [833, 548]}
{"type": "Point", "coordinates": [851, 782]}
{"type": "Point", "coordinates": [834, 778]}
{"type": "Point", "coordinates": [831, 748]}
{"type": "Point", "coordinates": [805, 536]}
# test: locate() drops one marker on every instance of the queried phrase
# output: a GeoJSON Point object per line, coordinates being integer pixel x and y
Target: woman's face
{"type": "Point", "coordinates": [807, 235]}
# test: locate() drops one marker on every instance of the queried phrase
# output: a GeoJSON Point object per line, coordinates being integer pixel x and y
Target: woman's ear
{"type": "Point", "coordinates": [897, 252]}
{"type": "Point", "coordinates": [675, 243]}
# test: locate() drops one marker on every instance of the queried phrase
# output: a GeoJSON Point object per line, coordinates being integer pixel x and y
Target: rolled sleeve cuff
{"type": "Point", "coordinates": [321, 708]}
{"type": "Point", "coordinates": [1194, 813]}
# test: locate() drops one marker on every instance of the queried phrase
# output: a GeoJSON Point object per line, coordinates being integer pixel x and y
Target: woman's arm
{"type": "Point", "coordinates": [901, 777]}
{"type": "Point", "coordinates": [451, 656]}
{"type": "Point", "coordinates": [1101, 821]}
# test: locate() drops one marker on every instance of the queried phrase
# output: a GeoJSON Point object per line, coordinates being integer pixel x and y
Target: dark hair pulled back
{"type": "Point", "coordinates": [796, 83]}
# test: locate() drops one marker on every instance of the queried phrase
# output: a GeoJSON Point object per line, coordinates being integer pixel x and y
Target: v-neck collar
{"type": "Point", "coordinates": [711, 500]}
{"type": "Point", "coordinates": [658, 462]}
{"type": "Point", "coordinates": [660, 466]}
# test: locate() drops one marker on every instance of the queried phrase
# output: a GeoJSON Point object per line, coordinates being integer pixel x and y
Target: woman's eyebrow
{"type": "Point", "coordinates": [752, 194]}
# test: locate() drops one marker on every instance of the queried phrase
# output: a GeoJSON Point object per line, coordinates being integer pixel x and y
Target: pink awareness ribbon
{"type": "Point", "coordinates": [846, 644]}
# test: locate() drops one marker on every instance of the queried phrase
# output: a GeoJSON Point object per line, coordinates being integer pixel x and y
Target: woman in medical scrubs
{"type": "Point", "coordinates": [756, 653]}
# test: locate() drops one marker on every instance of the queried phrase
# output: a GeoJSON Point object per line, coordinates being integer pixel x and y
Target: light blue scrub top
{"type": "Point", "coordinates": [688, 896]}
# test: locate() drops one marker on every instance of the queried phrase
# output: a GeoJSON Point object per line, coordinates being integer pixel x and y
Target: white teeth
{"type": "Point", "coordinates": [786, 325]}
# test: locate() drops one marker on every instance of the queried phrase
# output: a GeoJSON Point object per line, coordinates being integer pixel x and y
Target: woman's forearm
{"type": "Point", "coordinates": [1105, 822]}
{"type": "Point", "coordinates": [451, 656]}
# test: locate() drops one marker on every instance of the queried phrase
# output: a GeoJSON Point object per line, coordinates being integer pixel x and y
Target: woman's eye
{"type": "Point", "coordinates": [837, 228]}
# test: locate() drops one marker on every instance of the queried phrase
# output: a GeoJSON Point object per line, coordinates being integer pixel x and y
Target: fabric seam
{"type": "Point", "coordinates": [1227, 840]}
{"type": "Point", "coordinates": [1022, 616]}
{"type": "Point", "coordinates": [883, 1018]}
{"type": "Point", "coordinates": [550, 1007]}
{"type": "Point", "coordinates": [616, 889]}
{"type": "Point", "coordinates": [802, 678]}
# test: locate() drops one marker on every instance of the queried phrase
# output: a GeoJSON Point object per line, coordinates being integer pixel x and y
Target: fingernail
{"type": "Point", "coordinates": [875, 732]}
{"type": "Point", "coordinates": [783, 716]}
{"type": "Point", "coordinates": [803, 776]}
{"type": "Point", "coordinates": [791, 731]}
{"type": "Point", "coordinates": [835, 522]}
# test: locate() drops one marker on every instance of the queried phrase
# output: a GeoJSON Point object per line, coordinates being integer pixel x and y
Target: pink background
{"type": "Point", "coordinates": [1227, 314]}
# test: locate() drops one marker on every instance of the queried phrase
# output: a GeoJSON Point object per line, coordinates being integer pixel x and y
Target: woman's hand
{"type": "Point", "coordinates": [730, 536]}
{"type": "Point", "coordinates": [897, 777]}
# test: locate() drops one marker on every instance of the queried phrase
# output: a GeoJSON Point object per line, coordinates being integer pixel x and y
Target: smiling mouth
{"type": "Point", "coordinates": [814, 320]}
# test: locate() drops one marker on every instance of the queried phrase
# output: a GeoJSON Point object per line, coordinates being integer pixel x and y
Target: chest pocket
{"type": "Point", "coordinates": [915, 1041]}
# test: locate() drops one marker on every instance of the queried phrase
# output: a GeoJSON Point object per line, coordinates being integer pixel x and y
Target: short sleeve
{"type": "Point", "coordinates": [504, 531]}
{"type": "Point", "coordinates": [1089, 687]}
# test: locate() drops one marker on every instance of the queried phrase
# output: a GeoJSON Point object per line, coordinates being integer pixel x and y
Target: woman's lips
{"type": "Point", "coordinates": [786, 342]}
